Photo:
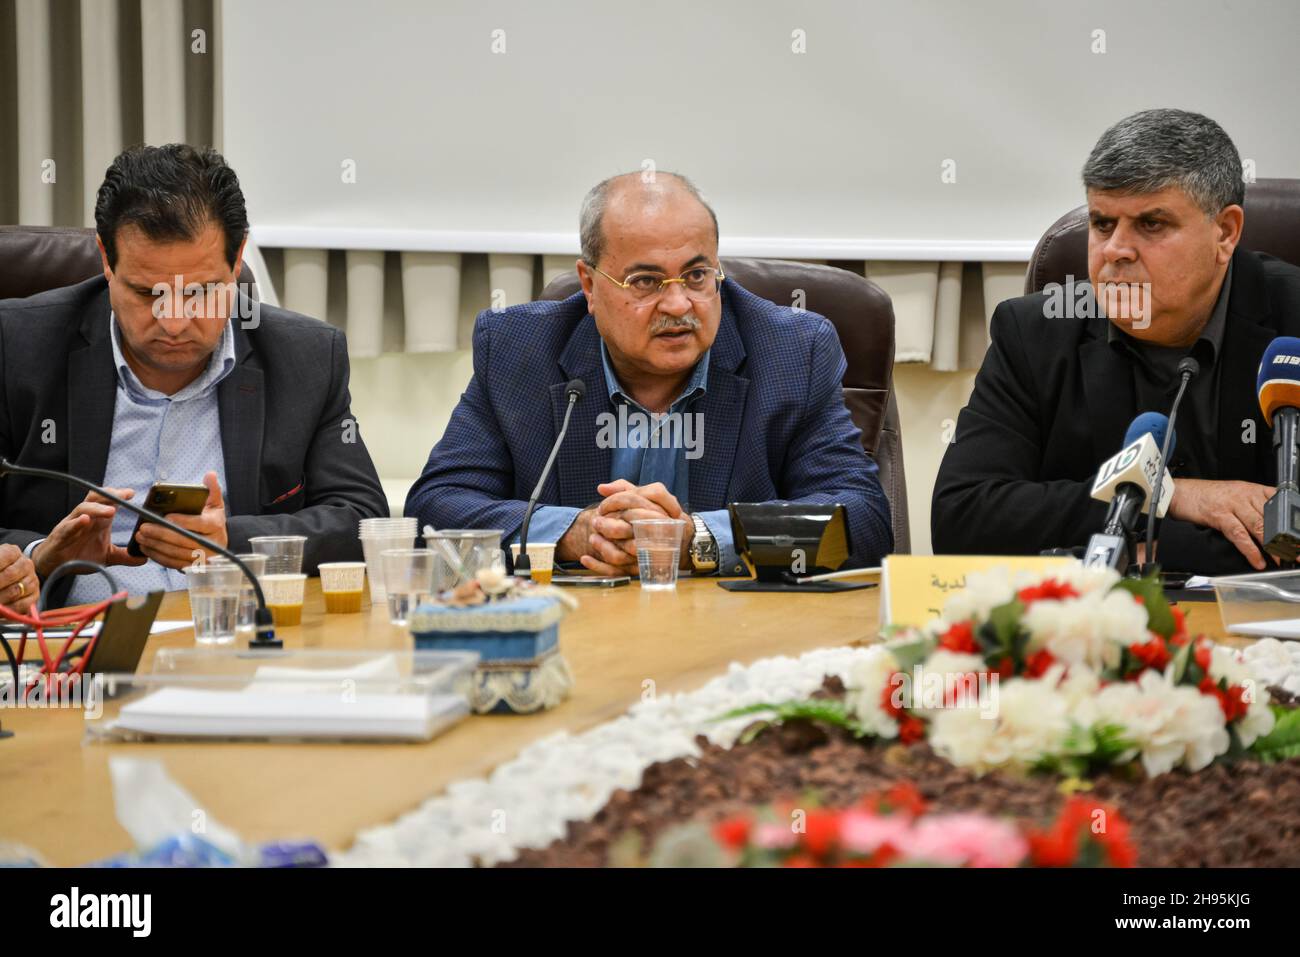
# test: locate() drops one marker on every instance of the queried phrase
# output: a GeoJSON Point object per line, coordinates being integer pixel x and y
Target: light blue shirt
{"type": "Point", "coordinates": [644, 455]}
{"type": "Point", "coordinates": [158, 438]}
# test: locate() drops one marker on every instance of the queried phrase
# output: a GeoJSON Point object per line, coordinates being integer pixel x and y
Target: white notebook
{"type": "Point", "coordinates": [253, 713]}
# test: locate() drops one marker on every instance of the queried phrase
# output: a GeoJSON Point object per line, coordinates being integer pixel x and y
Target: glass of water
{"type": "Point", "coordinates": [247, 596]}
{"type": "Point", "coordinates": [408, 580]}
{"type": "Point", "coordinates": [658, 551]}
{"type": "Point", "coordinates": [214, 601]}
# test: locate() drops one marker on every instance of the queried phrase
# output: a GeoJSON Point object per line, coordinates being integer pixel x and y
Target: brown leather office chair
{"type": "Point", "coordinates": [36, 258]}
{"type": "Point", "coordinates": [863, 316]}
{"type": "Point", "coordinates": [1272, 226]}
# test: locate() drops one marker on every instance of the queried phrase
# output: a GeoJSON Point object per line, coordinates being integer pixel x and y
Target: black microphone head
{"type": "Point", "coordinates": [1189, 367]}
{"type": "Point", "coordinates": [576, 389]}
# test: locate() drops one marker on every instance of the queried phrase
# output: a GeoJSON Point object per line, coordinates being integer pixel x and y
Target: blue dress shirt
{"type": "Point", "coordinates": [650, 448]}
{"type": "Point", "coordinates": [158, 438]}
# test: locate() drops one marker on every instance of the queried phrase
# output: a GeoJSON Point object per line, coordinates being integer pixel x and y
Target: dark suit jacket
{"type": "Point", "coordinates": [1053, 400]}
{"type": "Point", "coordinates": [283, 407]}
{"type": "Point", "coordinates": [775, 424]}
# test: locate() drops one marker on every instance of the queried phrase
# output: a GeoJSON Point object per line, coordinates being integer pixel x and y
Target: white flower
{"type": "Point", "coordinates": [1226, 662]}
{"type": "Point", "coordinates": [1085, 580]}
{"type": "Point", "coordinates": [984, 591]}
{"type": "Point", "coordinates": [1078, 684]}
{"type": "Point", "coordinates": [864, 686]}
{"type": "Point", "coordinates": [1170, 724]}
{"type": "Point", "coordinates": [1091, 629]}
{"type": "Point", "coordinates": [1031, 721]}
{"type": "Point", "coordinates": [1256, 722]}
{"type": "Point", "coordinates": [939, 678]}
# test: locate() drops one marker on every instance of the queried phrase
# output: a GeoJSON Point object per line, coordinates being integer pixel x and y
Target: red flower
{"type": "Point", "coordinates": [910, 729]}
{"type": "Point", "coordinates": [1233, 701]}
{"type": "Point", "coordinates": [1006, 667]}
{"type": "Point", "coordinates": [733, 833]}
{"type": "Point", "coordinates": [904, 797]}
{"type": "Point", "coordinates": [1153, 653]}
{"type": "Point", "coordinates": [961, 638]}
{"type": "Point", "coordinates": [1049, 590]}
{"type": "Point", "coordinates": [822, 831]}
{"type": "Point", "coordinates": [1180, 625]}
{"type": "Point", "coordinates": [1036, 665]}
{"type": "Point", "coordinates": [1059, 844]}
{"type": "Point", "coordinates": [799, 860]}
{"type": "Point", "coordinates": [887, 702]}
{"type": "Point", "coordinates": [900, 797]}
{"type": "Point", "coordinates": [1202, 655]}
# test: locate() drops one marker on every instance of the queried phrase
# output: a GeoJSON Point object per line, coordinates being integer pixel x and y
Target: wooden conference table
{"type": "Point", "coordinates": [57, 798]}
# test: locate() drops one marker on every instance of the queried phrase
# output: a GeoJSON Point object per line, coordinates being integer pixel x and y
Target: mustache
{"type": "Point", "coordinates": [688, 322]}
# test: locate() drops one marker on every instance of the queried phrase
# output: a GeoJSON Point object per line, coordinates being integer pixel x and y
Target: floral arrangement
{"type": "Point", "coordinates": [896, 829]}
{"type": "Point", "coordinates": [1069, 673]}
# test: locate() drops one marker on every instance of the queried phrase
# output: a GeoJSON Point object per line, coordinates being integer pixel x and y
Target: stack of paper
{"type": "Point", "coordinates": [270, 713]}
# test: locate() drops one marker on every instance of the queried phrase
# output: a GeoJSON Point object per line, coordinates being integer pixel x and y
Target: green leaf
{"type": "Point", "coordinates": [1005, 623]}
{"type": "Point", "coordinates": [1159, 618]}
{"type": "Point", "coordinates": [911, 653]}
{"type": "Point", "coordinates": [1180, 660]}
{"type": "Point", "coordinates": [827, 711]}
{"type": "Point", "coordinates": [1283, 742]}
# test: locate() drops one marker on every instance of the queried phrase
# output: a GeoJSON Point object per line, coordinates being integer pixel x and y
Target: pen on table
{"type": "Point", "coordinates": [847, 573]}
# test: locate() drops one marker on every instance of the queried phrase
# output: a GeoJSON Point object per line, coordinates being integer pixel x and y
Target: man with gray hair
{"type": "Point", "coordinates": [698, 394]}
{"type": "Point", "coordinates": [1059, 386]}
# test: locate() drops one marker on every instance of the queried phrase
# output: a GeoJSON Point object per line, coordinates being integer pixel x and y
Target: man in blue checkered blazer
{"type": "Point", "coordinates": [698, 393]}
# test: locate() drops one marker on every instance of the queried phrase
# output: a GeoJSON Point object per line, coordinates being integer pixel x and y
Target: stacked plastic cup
{"type": "Point", "coordinates": [379, 535]}
{"type": "Point", "coordinates": [283, 552]}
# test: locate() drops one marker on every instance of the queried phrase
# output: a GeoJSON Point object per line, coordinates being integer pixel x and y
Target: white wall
{"type": "Point", "coordinates": [475, 127]}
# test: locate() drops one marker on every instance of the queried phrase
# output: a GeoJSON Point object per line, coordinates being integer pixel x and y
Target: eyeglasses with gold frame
{"type": "Point", "coordinates": [700, 283]}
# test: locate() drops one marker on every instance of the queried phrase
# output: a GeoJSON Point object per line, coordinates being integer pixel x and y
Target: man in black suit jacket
{"type": "Point", "coordinates": [1057, 389]}
{"type": "Point", "coordinates": [91, 372]}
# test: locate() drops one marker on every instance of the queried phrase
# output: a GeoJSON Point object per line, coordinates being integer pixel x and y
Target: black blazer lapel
{"type": "Point", "coordinates": [1108, 392]}
{"type": "Point", "coordinates": [92, 394]}
{"type": "Point", "coordinates": [581, 464]}
{"type": "Point", "coordinates": [1250, 328]}
{"type": "Point", "coordinates": [241, 402]}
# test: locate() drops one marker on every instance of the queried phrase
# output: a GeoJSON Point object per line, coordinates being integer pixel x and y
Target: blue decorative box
{"type": "Point", "coordinates": [520, 667]}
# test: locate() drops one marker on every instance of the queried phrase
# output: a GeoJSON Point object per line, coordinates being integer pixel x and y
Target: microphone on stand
{"type": "Point", "coordinates": [1128, 481]}
{"type": "Point", "coordinates": [263, 626]}
{"type": "Point", "coordinates": [574, 390]}
{"type": "Point", "coordinates": [1279, 399]}
{"type": "Point", "coordinates": [1188, 369]}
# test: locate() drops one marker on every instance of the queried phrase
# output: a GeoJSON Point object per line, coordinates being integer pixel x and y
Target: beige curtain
{"type": "Point", "coordinates": [942, 309]}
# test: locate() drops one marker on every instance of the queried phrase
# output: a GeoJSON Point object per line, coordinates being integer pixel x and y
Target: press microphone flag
{"type": "Point", "coordinates": [1138, 463]}
{"type": "Point", "coordinates": [1278, 385]}
{"type": "Point", "coordinates": [1278, 382]}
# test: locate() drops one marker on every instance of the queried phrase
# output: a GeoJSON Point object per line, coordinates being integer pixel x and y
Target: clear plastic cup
{"type": "Point", "coordinates": [247, 595]}
{"type": "Point", "coordinates": [408, 581]}
{"type": "Point", "coordinates": [462, 552]}
{"type": "Point", "coordinates": [284, 594]}
{"type": "Point", "coordinates": [342, 584]}
{"type": "Point", "coordinates": [379, 535]}
{"type": "Point", "coordinates": [283, 552]}
{"type": "Point", "coordinates": [214, 601]}
{"type": "Point", "coordinates": [541, 560]}
{"type": "Point", "coordinates": [658, 551]}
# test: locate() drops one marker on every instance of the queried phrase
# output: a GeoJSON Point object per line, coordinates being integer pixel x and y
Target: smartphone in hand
{"type": "Point", "coordinates": [166, 498]}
